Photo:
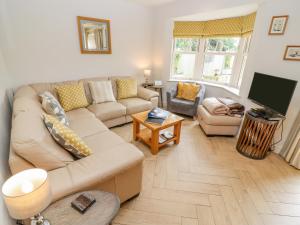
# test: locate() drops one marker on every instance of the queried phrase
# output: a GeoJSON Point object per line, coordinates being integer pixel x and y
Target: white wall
{"type": "Point", "coordinates": [4, 135]}
{"type": "Point", "coordinates": [42, 41]}
{"type": "Point", "coordinates": [39, 42]}
{"type": "Point", "coordinates": [266, 51]}
{"type": "Point", "coordinates": [266, 54]}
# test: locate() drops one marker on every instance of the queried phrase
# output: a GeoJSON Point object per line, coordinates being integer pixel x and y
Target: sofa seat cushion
{"type": "Point", "coordinates": [78, 114]}
{"type": "Point", "coordinates": [217, 120]}
{"type": "Point", "coordinates": [94, 169]}
{"type": "Point", "coordinates": [135, 105]}
{"type": "Point", "coordinates": [182, 102]}
{"type": "Point", "coordinates": [108, 110]}
{"type": "Point", "coordinates": [87, 126]}
{"type": "Point", "coordinates": [103, 141]}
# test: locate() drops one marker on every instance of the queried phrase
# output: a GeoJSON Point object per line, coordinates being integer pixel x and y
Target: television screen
{"type": "Point", "coordinates": [272, 92]}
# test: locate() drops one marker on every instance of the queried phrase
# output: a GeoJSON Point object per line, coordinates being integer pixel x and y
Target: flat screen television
{"type": "Point", "coordinates": [273, 93]}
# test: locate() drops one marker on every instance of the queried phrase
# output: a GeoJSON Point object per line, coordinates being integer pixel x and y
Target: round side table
{"type": "Point", "coordinates": [256, 137]}
{"type": "Point", "coordinates": [102, 212]}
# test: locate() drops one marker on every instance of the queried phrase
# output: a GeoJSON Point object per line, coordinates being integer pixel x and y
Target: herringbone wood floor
{"type": "Point", "coordinates": [205, 181]}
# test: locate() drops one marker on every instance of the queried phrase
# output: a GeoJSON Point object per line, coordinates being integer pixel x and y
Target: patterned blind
{"type": "Point", "coordinates": [236, 26]}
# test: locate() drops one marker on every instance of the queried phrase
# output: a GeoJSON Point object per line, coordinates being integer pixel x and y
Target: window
{"type": "Point", "coordinates": [217, 60]}
{"type": "Point", "coordinates": [184, 57]}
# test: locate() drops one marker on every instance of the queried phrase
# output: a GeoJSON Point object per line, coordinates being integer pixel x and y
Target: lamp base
{"type": "Point", "coordinates": [39, 220]}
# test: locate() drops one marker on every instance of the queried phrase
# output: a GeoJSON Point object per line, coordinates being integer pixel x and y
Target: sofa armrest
{"type": "Point", "coordinates": [201, 94]}
{"type": "Point", "coordinates": [146, 94]}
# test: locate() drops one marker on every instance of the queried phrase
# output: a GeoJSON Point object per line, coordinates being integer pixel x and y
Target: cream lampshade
{"type": "Point", "coordinates": [147, 74]}
{"type": "Point", "coordinates": [27, 193]}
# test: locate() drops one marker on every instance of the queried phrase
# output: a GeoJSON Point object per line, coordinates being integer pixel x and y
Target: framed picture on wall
{"type": "Point", "coordinates": [278, 25]}
{"type": "Point", "coordinates": [292, 52]}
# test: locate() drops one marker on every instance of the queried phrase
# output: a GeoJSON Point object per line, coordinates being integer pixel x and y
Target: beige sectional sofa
{"type": "Point", "coordinates": [114, 166]}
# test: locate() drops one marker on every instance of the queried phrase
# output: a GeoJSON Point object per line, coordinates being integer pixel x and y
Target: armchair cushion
{"type": "Point", "coordinates": [188, 91]}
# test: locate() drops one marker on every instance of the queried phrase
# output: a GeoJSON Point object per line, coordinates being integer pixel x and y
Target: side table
{"type": "Point", "coordinates": [102, 212]}
{"type": "Point", "coordinates": [157, 88]}
{"type": "Point", "coordinates": [256, 137]}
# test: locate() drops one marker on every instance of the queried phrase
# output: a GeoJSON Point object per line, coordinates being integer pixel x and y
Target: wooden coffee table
{"type": "Point", "coordinates": [150, 134]}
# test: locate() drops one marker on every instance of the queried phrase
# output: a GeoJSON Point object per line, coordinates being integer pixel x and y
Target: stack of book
{"type": "Point", "coordinates": [157, 116]}
{"type": "Point", "coordinates": [164, 136]}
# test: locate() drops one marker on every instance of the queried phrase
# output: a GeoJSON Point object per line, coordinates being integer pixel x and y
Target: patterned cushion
{"type": "Point", "coordinates": [52, 107]}
{"type": "Point", "coordinates": [126, 88]}
{"type": "Point", "coordinates": [188, 91]}
{"type": "Point", "coordinates": [72, 96]}
{"type": "Point", "coordinates": [66, 138]}
{"type": "Point", "coordinates": [101, 91]}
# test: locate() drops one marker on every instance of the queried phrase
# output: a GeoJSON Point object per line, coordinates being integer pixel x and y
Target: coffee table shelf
{"type": "Point", "coordinates": [150, 134]}
{"type": "Point", "coordinates": [145, 136]}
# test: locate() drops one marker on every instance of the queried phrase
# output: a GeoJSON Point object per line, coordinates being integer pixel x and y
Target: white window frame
{"type": "Point", "coordinates": [238, 66]}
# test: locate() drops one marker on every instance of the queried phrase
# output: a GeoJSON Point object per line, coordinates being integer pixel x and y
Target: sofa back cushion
{"type": "Point", "coordinates": [31, 140]}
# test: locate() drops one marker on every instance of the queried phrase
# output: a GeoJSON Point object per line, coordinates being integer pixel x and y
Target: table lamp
{"type": "Point", "coordinates": [26, 194]}
{"type": "Point", "coordinates": [147, 74]}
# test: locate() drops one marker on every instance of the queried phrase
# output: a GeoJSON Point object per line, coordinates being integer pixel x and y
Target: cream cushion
{"type": "Point", "coordinates": [135, 105]}
{"type": "Point", "coordinates": [101, 91]}
{"type": "Point", "coordinates": [103, 141]}
{"type": "Point", "coordinates": [79, 114]}
{"type": "Point", "coordinates": [87, 126]}
{"type": "Point", "coordinates": [108, 110]}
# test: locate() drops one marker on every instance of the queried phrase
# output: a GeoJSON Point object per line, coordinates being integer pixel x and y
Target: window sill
{"type": "Point", "coordinates": [232, 90]}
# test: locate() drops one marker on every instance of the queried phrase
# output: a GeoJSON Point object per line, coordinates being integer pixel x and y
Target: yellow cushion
{"type": "Point", "coordinates": [127, 88]}
{"type": "Point", "coordinates": [66, 137]}
{"type": "Point", "coordinates": [72, 96]}
{"type": "Point", "coordinates": [188, 91]}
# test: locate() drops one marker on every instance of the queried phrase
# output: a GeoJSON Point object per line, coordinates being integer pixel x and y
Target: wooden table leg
{"type": "Point", "coordinates": [154, 141]}
{"type": "Point", "coordinates": [136, 129]}
{"type": "Point", "coordinates": [177, 130]}
{"type": "Point", "coordinates": [161, 98]}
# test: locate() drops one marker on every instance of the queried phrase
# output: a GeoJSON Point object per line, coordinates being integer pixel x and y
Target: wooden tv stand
{"type": "Point", "coordinates": [256, 136]}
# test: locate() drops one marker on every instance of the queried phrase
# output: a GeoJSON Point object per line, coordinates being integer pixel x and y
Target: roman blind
{"type": "Point", "coordinates": [236, 26]}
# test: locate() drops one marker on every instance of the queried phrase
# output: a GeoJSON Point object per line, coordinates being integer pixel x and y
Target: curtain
{"type": "Point", "coordinates": [235, 26]}
{"type": "Point", "coordinates": [291, 147]}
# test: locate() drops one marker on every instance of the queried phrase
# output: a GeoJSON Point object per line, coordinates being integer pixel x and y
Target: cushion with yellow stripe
{"type": "Point", "coordinates": [66, 137]}
{"type": "Point", "coordinates": [187, 91]}
{"type": "Point", "coordinates": [72, 96]}
{"type": "Point", "coordinates": [126, 88]}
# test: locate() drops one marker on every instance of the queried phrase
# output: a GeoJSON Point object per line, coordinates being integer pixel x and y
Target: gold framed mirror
{"type": "Point", "coordinates": [94, 35]}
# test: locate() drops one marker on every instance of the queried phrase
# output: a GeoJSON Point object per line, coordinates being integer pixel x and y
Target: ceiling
{"type": "Point", "coordinates": [153, 2]}
{"type": "Point", "coordinates": [220, 14]}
